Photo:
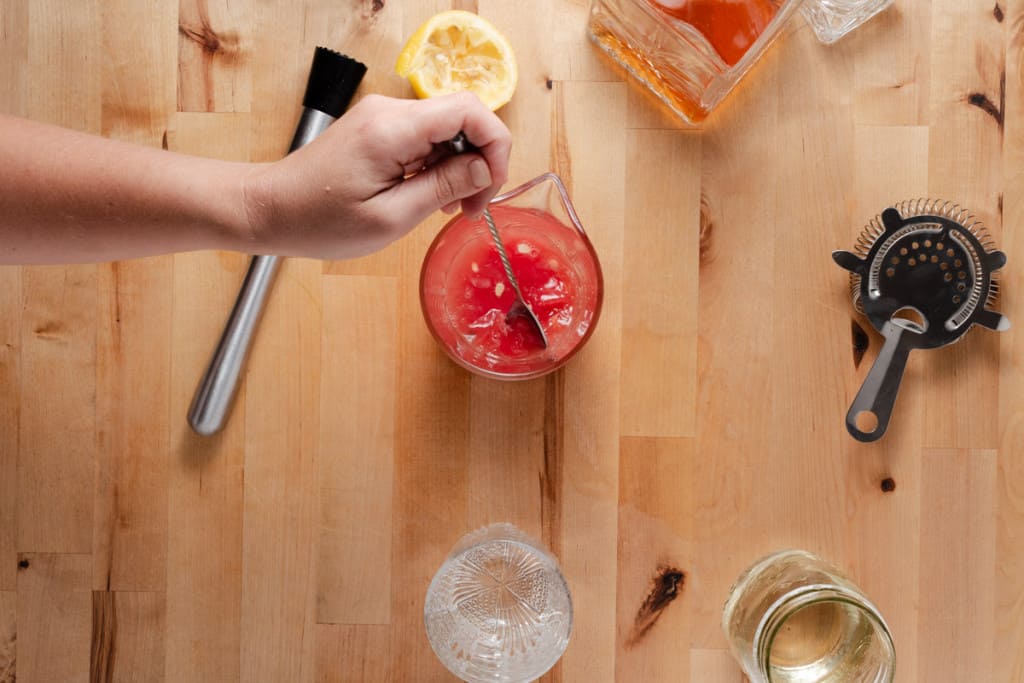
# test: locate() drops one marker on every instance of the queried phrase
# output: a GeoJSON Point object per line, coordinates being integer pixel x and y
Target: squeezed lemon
{"type": "Point", "coordinates": [457, 50]}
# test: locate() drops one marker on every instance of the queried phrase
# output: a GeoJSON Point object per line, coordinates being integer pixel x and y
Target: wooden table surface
{"type": "Point", "coordinates": [701, 428]}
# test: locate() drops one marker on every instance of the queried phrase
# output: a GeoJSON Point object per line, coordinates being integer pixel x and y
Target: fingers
{"type": "Point", "coordinates": [440, 119]}
{"type": "Point", "coordinates": [396, 170]}
{"type": "Point", "coordinates": [466, 177]}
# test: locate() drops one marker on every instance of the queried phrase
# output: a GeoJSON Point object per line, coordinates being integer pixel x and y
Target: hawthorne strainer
{"type": "Point", "coordinates": [922, 273]}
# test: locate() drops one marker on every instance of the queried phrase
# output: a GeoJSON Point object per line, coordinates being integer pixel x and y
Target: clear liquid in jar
{"type": "Point", "coordinates": [825, 642]}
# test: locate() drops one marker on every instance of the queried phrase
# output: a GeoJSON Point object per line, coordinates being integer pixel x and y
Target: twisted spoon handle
{"type": "Point", "coordinates": [502, 254]}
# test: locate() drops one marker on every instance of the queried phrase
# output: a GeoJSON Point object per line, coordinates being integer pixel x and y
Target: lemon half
{"type": "Point", "coordinates": [458, 50]}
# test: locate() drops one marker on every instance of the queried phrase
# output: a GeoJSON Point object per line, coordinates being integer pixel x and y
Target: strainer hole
{"type": "Point", "coordinates": [961, 275]}
{"type": "Point", "coordinates": [915, 245]}
{"type": "Point", "coordinates": [922, 257]}
{"type": "Point", "coordinates": [866, 422]}
{"type": "Point", "coordinates": [890, 271]}
{"type": "Point", "coordinates": [903, 251]}
{"type": "Point", "coordinates": [912, 262]}
{"type": "Point", "coordinates": [958, 263]}
{"type": "Point", "coordinates": [927, 244]}
{"type": "Point", "coordinates": [949, 253]}
{"type": "Point", "coordinates": [956, 298]}
{"type": "Point", "coordinates": [895, 260]}
{"type": "Point", "coordinates": [960, 286]}
{"type": "Point", "coordinates": [944, 266]}
{"type": "Point", "coordinates": [940, 246]}
{"type": "Point", "coordinates": [934, 259]}
{"type": "Point", "coordinates": [947, 277]}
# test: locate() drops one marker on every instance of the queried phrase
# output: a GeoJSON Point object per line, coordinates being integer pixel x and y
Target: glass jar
{"type": "Point", "coordinates": [691, 53]}
{"type": "Point", "coordinates": [465, 294]}
{"type": "Point", "coordinates": [793, 618]}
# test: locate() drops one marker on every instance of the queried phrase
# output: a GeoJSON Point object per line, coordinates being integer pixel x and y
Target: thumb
{"type": "Point", "coordinates": [444, 183]}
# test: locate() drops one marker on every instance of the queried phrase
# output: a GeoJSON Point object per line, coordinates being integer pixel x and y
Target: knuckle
{"type": "Point", "coordinates": [376, 128]}
{"type": "Point", "coordinates": [444, 186]}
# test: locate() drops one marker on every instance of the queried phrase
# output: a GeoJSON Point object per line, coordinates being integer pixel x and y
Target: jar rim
{"type": "Point", "coordinates": [792, 602]}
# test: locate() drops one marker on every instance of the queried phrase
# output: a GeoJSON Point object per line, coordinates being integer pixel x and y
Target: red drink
{"type": "Point", "coordinates": [466, 296]}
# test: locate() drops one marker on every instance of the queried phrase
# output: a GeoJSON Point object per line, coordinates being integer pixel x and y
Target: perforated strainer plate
{"type": "Point", "coordinates": [922, 273]}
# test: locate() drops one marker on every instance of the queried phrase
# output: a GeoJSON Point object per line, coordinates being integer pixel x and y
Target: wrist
{"type": "Point", "coordinates": [243, 193]}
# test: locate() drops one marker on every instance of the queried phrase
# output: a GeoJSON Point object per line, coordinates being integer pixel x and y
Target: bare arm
{"type": "Point", "coordinates": [69, 197]}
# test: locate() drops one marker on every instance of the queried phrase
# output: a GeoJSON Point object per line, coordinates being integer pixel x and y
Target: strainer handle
{"type": "Point", "coordinates": [877, 395]}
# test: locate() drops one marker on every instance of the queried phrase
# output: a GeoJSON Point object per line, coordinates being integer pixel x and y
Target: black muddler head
{"type": "Point", "coordinates": [333, 79]}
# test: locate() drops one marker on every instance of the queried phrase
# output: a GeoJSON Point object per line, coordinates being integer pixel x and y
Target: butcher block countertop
{"type": "Point", "coordinates": [701, 428]}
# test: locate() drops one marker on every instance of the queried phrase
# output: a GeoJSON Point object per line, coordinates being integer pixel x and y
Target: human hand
{"type": "Point", "coordinates": [375, 174]}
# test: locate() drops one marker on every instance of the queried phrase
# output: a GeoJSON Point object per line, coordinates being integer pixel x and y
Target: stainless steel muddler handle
{"type": "Point", "coordinates": [216, 391]}
{"type": "Point", "coordinates": [333, 79]}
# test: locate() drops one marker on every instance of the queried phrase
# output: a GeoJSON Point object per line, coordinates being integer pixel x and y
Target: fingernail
{"type": "Point", "coordinates": [479, 173]}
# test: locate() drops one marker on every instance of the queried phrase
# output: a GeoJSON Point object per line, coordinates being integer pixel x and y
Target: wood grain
{"type": "Point", "coordinates": [728, 503]}
{"type": "Point", "coordinates": [10, 381]}
{"type": "Point", "coordinates": [138, 71]}
{"type": "Point", "coordinates": [213, 51]}
{"type": "Point", "coordinates": [280, 492]}
{"type": "Point", "coordinates": [811, 185]}
{"type": "Point", "coordinates": [127, 636]}
{"type": "Point", "coordinates": [56, 454]}
{"type": "Point", "coordinates": [14, 51]}
{"type": "Point", "coordinates": [57, 430]}
{"type": "Point", "coordinates": [891, 73]}
{"type": "Point", "coordinates": [883, 480]}
{"type": "Point", "coordinates": [431, 462]}
{"type": "Point", "coordinates": [700, 429]}
{"type": "Point", "coordinates": [54, 616]}
{"type": "Point", "coordinates": [60, 82]}
{"type": "Point", "coordinates": [654, 612]}
{"type": "Point", "coordinates": [133, 302]}
{"type": "Point", "coordinates": [966, 138]}
{"type": "Point", "coordinates": [659, 312]}
{"type": "Point", "coordinates": [205, 477]}
{"type": "Point", "coordinates": [586, 116]}
{"type": "Point", "coordinates": [132, 377]}
{"type": "Point", "coordinates": [8, 636]}
{"type": "Point", "coordinates": [352, 653]}
{"type": "Point", "coordinates": [959, 533]}
{"type": "Point", "coordinates": [1009, 574]}
{"type": "Point", "coordinates": [714, 665]}
{"type": "Point", "coordinates": [357, 450]}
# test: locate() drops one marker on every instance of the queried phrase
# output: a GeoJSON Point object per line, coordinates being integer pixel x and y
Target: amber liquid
{"type": "Point", "coordinates": [729, 26]}
{"type": "Point", "coordinates": [690, 53]}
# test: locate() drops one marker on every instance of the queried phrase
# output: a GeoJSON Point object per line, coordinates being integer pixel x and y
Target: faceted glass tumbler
{"type": "Point", "coordinates": [833, 19]}
{"type": "Point", "coordinates": [498, 609]}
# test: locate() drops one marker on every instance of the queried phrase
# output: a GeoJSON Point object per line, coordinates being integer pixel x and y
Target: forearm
{"type": "Point", "coordinates": [70, 197]}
